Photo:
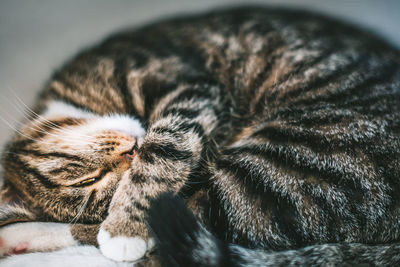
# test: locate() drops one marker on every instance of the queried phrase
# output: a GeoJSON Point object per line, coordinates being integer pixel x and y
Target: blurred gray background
{"type": "Point", "coordinates": [38, 36]}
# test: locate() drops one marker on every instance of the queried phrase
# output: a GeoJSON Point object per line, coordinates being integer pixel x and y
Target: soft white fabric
{"type": "Point", "coordinates": [85, 256]}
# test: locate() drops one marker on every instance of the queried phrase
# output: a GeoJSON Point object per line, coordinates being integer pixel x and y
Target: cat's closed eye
{"type": "Point", "coordinates": [128, 155]}
{"type": "Point", "coordinates": [91, 180]}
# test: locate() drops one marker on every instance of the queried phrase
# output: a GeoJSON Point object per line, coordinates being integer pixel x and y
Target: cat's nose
{"type": "Point", "coordinates": [130, 155]}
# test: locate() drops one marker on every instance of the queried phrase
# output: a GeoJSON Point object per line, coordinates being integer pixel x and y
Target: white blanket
{"type": "Point", "coordinates": [85, 256]}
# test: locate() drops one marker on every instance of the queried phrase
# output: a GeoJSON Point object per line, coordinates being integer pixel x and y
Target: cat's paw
{"type": "Point", "coordinates": [27, 237]}
{"type": "Point", "coordinates": [14, 248]}
{"type": "Point", "coordinates": [14, 239]}
{"type": "Point", "coordinates": [120, 248]}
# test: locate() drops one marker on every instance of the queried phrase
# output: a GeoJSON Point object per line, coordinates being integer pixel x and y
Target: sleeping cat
{"type": "Point", "coordinates": [280, 129]}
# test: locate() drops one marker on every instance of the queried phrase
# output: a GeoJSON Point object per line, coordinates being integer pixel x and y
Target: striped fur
{"type": "Point", "coordinates": [280, 128]}
{"type": "Point", "coordinates": [182, 241]}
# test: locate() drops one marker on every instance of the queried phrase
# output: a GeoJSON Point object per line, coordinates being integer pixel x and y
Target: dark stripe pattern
{"type": "Point", "coordinates": [289, 121]}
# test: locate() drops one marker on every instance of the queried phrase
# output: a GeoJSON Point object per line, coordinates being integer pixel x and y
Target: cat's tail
{"type": "Point", "coordinates": [182, 241]}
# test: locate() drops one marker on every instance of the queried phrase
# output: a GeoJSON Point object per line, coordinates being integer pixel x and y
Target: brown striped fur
{"type": "Point", "coordinates": [288, 123]}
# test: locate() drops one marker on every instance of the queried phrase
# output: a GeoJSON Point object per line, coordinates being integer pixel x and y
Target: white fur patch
{"type": "Point", "coordinates": [151, 244]}
{"type": "Point", "coordinates": [119, 123]}
{"type": "Point", "coordinates": [96, 123]}
{"type": "Point", "coordinates": [39, 236]}
{"type": "Point", "coordinates": [62, 109]}
{"type": "Point", "coordinates": [121, 248]}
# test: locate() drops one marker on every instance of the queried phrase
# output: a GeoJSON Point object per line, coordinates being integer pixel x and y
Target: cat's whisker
{"type": "Point", "coordinates": [22, 110]}
{"type": "Point", "coordinates": [32, 116]}
{"type": "Point", "coordinates": [41, 120]}
{"type": "Point", "coordinates": [18, 131]}
{"type": "Point", "coordinates": [88, 137]}
{"type": "Point", "coordinates": [25, 108]}
{"type": "Point", "coordinates": [38, 118]}
{"type": "Point", "coordinates": [38, 140]}
{"type": "Point", "coordinates": [30, 127]}
{"type": "Point", "coordinates": [29, 114]}
{"type": "Point", "coordinates": [69, 139]}
{"type": "Point", "coordinates": [81, 209]}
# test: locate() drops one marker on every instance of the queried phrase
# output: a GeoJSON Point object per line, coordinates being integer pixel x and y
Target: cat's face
{"type": "Point", "coordinates": [68, 161]}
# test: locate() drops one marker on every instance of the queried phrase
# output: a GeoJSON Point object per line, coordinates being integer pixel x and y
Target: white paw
{"type": "Point", "coordinates": [151, 244]}
{"type": "Point", "coordinates": [121, 248]}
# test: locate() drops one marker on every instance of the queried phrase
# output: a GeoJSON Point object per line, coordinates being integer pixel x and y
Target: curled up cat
{"type": "Point", "coordinates": [241, 137]}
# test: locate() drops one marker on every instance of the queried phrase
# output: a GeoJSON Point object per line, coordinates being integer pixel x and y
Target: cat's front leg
{"type": "Point", "coordinates": [173, 149]}
{"type": "Point", "coordinates": [21, 233]}
{"type": "Point", "coordinates": [28, 237]}
{"type": "Point", "coordinates": [124, 235]}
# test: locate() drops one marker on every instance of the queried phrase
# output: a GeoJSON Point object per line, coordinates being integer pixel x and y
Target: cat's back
{"type": "Point", "coordinates": [248, 50]}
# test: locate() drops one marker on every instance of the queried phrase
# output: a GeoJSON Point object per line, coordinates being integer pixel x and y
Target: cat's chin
{"type": "Point", "coordinates": [120, 248]}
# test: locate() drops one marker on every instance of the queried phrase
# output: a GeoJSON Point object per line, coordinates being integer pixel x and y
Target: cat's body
{"type": "Point", "coordinates": [280, 128]}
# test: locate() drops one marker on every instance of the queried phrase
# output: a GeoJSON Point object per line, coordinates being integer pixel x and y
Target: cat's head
{"type": "Point", "coordinates": [67, 162]}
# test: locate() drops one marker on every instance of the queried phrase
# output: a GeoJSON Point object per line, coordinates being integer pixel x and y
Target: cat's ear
{"type": "Point", "coordinates": [12, 207]}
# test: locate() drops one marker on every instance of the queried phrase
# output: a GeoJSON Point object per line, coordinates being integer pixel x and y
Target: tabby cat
{"type": "Point", "coordinates": [280, 129]}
